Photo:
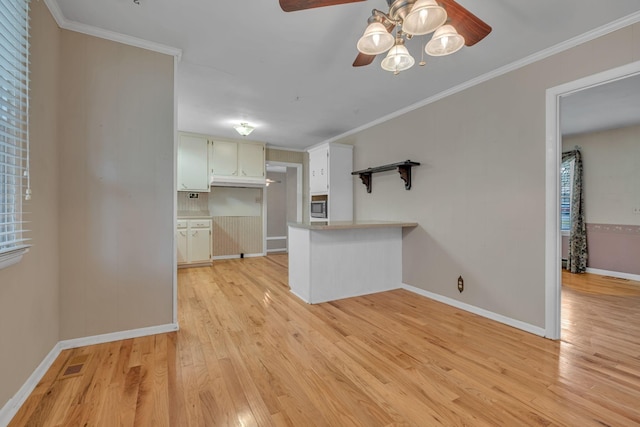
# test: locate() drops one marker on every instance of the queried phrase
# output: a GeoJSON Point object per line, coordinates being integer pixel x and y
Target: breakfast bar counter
{"type": "Point", "coordinates": [335, 260]}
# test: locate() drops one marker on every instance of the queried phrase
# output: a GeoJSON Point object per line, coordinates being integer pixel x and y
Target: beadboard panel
{"type": "Point", "coordinates": [233, 235]}
{"type": "Point", "coordinates": [284, 156]}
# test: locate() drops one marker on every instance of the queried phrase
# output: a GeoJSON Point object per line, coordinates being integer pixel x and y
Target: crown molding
{"type": "Point", "coordinates": [90, 30]}
{"type": "Point", "coordinates": [560, 47]}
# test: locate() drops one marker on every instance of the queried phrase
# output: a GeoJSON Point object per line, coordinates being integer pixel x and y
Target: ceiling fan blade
{"type": "Point", "coordinates": [363, 59]}
{"type": "Point", "coordinates": [293, 5]}
{"type": "Point", "coordinates": [472, 28]}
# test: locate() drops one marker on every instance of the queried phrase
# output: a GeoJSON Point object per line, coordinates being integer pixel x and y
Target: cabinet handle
{"type": "Point", "coordinates": [184, 186]}
{"type": "Point", "coordinates": [235, 172]}
{"type": "Point", "coordinates": [321, 171]}
{"type": "Point", "coordinates": [182, 233]}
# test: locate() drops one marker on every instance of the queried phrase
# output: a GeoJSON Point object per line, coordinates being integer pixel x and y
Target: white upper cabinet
{"type": "Point", "coordinates": [251, 160]}
{"type": "Point", "coordinates": [319, 170]}
{"type": "Point", "coordinates": [237, 162]}
{"type": "Point", "coordinates": [193, 163]}
{"type": "Point", "coordinates": [224, 158]}
{"type": "Point", "coordinates": [330, 167]}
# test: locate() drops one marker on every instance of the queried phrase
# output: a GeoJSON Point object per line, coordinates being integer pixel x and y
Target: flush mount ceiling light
{"type": "Point", "coordinates": [453, 24]}
{"type": "Point", "coordinates": [244, 129]}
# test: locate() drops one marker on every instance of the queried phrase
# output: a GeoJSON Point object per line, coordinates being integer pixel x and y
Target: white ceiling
{"type": "Point", "coordinates": [290, 74]}
{"type": "Point", "coordinates": [608, 106]}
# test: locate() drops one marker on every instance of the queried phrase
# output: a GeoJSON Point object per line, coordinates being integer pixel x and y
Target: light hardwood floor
{"type": "Point", "coordinates": [250, 354]}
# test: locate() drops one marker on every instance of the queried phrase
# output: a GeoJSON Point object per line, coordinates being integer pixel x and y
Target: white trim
{"type": "Point", "coordinates": [618, 274]}
{"type": "Point", "coordinates": [56, 12]}
{"type": "Point", "coordinates": [79, 27]}
{"type": "Point", "coordinates": [553, 237]}
{"type": "Point", "coordinates": [277, 250]}
{"type": "Point", "coordinates": [560, 47]}
{"type": "Point", "coordinates": [477, 310]}
{"type": "Point", "coordinates": [175, 191]}
{"type": "Point", "coordinates": [277, 238]}
{"type": "Point", "coordinates": [264, 214]}
{"type": "Point", "coordinates": [116, 336]}
{"type": "Point", "coordinates": [14, 404]}
{"type": "Point", "coordinates": [223, 257]}
{"type": "Point", "coordinates": [12, 257]}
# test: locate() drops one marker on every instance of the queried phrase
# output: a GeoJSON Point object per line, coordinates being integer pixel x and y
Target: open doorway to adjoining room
{"type": "Point", "coordinates": [283, 196]}
{"type": "Point", "coordinates": [557, 97]}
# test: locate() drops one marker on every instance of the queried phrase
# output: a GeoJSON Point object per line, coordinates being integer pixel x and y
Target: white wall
{"type": "Point", "coordinates": [479, 195]}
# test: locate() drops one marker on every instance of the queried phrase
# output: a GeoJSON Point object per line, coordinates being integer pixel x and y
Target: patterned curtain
{"type": "Point", "coordinates": [577, 258]}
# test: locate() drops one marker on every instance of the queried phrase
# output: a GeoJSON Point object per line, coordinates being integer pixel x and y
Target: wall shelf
{"type": "Point", "coordinates": [404, 169]}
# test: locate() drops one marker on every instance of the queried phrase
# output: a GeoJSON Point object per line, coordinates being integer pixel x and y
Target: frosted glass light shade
{"type": "Point", "coordinates": [445, 41]}
{"type": "Point", "coordinates": [244, 129]}
{"type": "Point", "coordinates": [398, 59]}
{"type": "Point", "coordinates": [375, 40]}
{"type": "Point", "coordinates": [424, 18]}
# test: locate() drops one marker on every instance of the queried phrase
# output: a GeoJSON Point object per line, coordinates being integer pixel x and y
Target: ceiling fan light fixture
{"type": "Point", "coordinates": [424, 18]}
{"type": "Point", "coordinates": [244, 129]}
{"type": "Point", "coordinates": [398, 59]}
{"type": "Point", "coordinates": [375, 40]}
{"type": "Point", "coordinates": [445, 41]}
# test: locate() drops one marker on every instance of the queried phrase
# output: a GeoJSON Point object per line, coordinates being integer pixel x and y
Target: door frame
{"type": "Point", "coordinates": [553, 236]}
{"type": "Point", "coordinates": [299, 194]}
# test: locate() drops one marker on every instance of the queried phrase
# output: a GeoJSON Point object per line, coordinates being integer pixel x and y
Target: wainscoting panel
{"type": "Point", "coordinates": [233, 235]}
{"type": "Point", "coordinates": [614, 247]}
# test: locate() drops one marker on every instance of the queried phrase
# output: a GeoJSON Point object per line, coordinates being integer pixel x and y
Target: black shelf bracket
{"type": "Point", "coordinates": [404, 169]}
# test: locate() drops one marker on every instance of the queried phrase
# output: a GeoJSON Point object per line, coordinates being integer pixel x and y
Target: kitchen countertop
{"type": "Point", "coordinates": [344, 225]}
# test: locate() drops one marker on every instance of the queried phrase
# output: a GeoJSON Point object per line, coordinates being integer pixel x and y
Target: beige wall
{"type": "Point", "coordinates": [29, 290]}
{"type": "Point", "coordinates": [479, 195]}
{"type": "Point", "coordinates": [116, 175]}
{"type": "Point", "coordinates": [611, 162]}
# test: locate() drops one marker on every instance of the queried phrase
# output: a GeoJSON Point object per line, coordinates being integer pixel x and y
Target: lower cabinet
{"type": "Point", "coordinates": [194, 241]}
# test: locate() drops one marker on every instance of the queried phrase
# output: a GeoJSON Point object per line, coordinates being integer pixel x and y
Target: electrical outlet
{"type": "Point", "coordinates": [636, 211]}
{"type": "Point", "coordinates": [193, 195]}
{"type": "Point", "coordinates": [460, 284]}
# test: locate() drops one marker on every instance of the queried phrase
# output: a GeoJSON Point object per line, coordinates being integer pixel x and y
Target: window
{"type": "Point", "coordinates": [14, 128]}
{"type": "Point", "coordinates": [566, 185]}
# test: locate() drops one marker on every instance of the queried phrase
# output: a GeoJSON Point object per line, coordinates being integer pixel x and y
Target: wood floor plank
{"type": "Point", "coordinates": [249, 353]}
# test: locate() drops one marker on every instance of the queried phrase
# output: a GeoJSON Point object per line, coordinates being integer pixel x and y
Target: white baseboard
{"type": "Point", "coordinates": [10, 409]}
{"type": "Point", "coordinates": [617, 274]}
{"type": "Point", "coordinates": [536, 330]}
{"type": "Point", "coordinates": [223, 257]}
{"type": "Point", "coordinates": [115, 336]}
{"type": "Point", "coordinates": [276, 250]}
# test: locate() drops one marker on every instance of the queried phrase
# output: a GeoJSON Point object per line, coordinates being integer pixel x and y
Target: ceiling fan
{"type": "Point", "coordinates": [453, 27]}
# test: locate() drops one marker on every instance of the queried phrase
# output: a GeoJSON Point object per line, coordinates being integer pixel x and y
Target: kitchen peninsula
{"type": "Point", "coordinates": [342, 259]}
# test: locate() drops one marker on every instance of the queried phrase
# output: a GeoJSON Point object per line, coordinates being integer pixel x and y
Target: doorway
{"type": "Point", "coordinates": [283, 204]}
{"type": "Point", "coordinates": [553, 263]}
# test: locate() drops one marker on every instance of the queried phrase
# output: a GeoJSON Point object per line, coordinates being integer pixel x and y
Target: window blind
{"type": "Point", "coordinates": [566, 185]}
{"type": "Point", "coordinates": [14, 125]}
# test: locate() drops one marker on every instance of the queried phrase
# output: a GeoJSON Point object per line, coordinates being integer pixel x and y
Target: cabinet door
{"type": "Point", "coordinates": [181, 238]}
{"type": "Point", "coordinates": [199, 244]}
{"type": "Point", "coordinates": [318, 164]}
{"type": "Point", "coordinates": [224, 158]}
{"type": "Point", "coordinates": [193, 163]}
{"type": "Point", "coordinates": [251, 160]}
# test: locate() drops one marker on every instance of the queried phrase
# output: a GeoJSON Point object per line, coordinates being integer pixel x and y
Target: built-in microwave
{"type": "Point", "coordinates": [318, 209]}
